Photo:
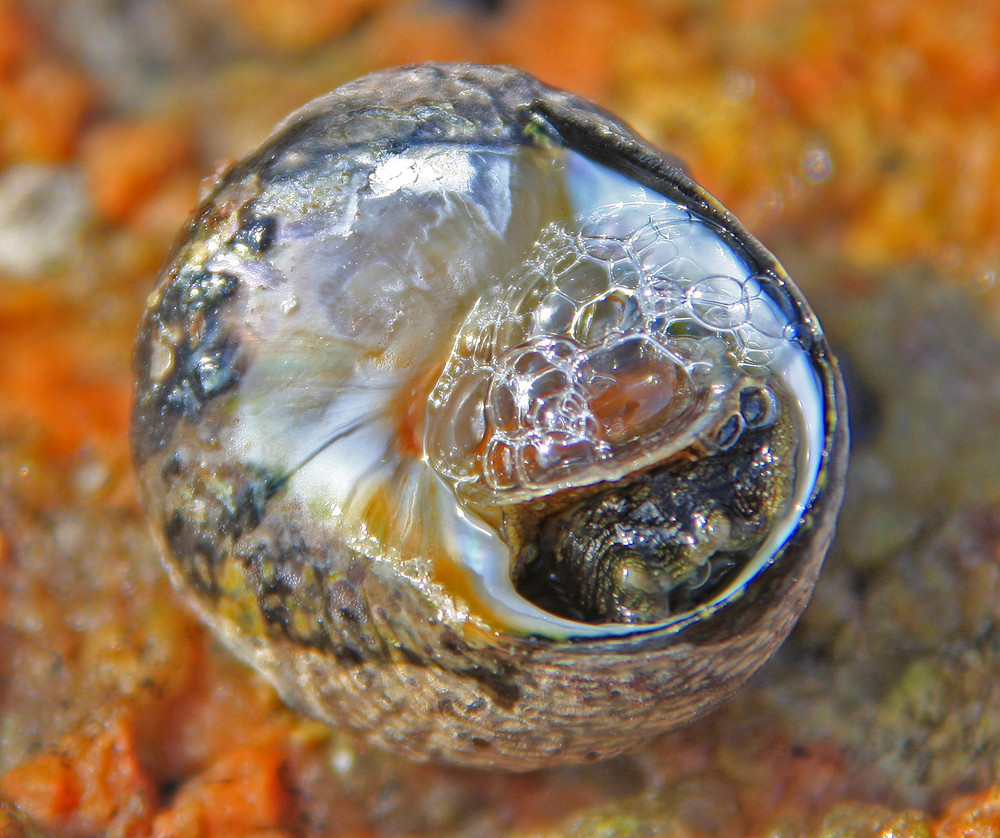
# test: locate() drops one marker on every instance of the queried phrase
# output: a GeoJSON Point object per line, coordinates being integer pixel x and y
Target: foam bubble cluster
{"type": "Point", "coordinates": [623, 336]}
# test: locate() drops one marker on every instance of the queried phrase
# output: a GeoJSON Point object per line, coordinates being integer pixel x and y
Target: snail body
{"type": "Point", "coordinates": [473, 423]}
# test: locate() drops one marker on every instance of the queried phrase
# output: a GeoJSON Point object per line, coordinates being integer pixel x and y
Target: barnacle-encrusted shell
{"type": "Point", "coordinates": [471, 421]}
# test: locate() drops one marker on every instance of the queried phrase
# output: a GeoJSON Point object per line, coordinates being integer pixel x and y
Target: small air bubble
{"type": "Point", "coordinates": [738, 86]}
{"type": "Point", "coordinates": [342, 759]}
{"type": "Point", "coordinates": [758, 406]}
{"type": "Point", "coordinates": [948, 258]}
{"type": "Point", "coordinates": [502, 412]}
{"type": "Point", "coordinates": [602, 248]}
{"type": "Point", "coordinates": [771, 203]}
{"type": "Point", "coordinates": [499, 466]}
{"type": "Point", "coordinates": [816, 164]}
{"type": "Point", "coordinates": [91, 477]}
{"type": "Point", "coordinates": [719, 302]}
{"type": "Point", "coordinates": [729, 432]}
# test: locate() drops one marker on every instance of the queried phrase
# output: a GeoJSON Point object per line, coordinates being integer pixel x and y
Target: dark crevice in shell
{"type": "Point", "coordinates": [651, 526]}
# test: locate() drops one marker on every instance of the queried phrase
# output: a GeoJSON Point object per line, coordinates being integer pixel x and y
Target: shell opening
{"type": "Point", "coordinates": [631, 336]}
{"type": "Point", "coordinates": [625, 334]}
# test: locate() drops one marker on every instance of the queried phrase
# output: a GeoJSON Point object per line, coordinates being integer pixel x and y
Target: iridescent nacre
{"type": "Point", "coordinates": [472, 422]}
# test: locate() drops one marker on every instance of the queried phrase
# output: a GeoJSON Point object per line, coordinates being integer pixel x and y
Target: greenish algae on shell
{"type": "Point", "coordinates": [472, 422]}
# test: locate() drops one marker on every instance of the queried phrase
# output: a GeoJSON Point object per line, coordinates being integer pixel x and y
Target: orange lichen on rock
{"type": "Point", "coordinates": [899, 97]}
{"type": "Point", "coordinates": [240, 794]}
{"type": "Point", "coordinates": [4, 559]}
{"type": "Point", "coordinates": [298, 24]}
{"type": "Point", "coordinates": [199, 717]}
{"type": "Point", "coordinates": [580, 48]}
{"type": "Point", "coordinates": [444, 36]}
{"type": "Point", "coordinates": [972, 817]}
{"type": "Point", "coordinates": [44, 108]}
{"type": "Point", "coordinates": [43, 101]}
{"type": "Point", "coordinates": [128, 163]}
{"type": "Point", "coordinates": [911, 187]}
{"type": "Point", "coordinates": [54, 381]}
{"type": "Point", "coordinates": [92, 784]}
{"type": "Point", "coordinates": [47, 787]}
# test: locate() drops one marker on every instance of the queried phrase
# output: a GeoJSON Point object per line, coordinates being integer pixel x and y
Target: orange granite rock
{"type": "Point", "coordinates": [93, 784]}
{"type": "Point", "coordinates": [129, 163]}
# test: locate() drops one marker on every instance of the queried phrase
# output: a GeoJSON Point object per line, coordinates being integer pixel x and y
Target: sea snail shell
{"type": "Point", "coordinates": [472, 422]}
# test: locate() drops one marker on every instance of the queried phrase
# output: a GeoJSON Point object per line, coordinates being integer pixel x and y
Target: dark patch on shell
{"type": "Point", "coordinates": [500, 685]}
{"type": "Point", "coordinates": [659, 527]}
{"type": "Point", "coordinates": [198, 357]}
{"type": "Point", "coordinates": [256, 235]}
{"type": "Point", "coordinates": [211, 514]}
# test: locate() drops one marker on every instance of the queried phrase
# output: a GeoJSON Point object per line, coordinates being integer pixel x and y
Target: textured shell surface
{"type": "Point", "coordinates": [472, 422]}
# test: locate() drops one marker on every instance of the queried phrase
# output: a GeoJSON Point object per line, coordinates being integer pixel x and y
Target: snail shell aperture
{"type": "Point", "coordinates": [472, 422]}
